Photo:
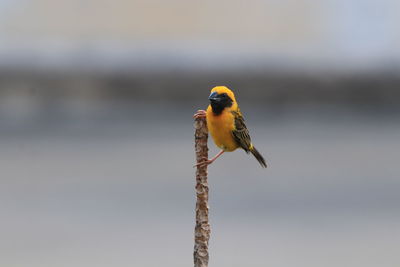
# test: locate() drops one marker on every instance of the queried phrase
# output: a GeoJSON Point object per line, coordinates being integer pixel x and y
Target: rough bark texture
{"type": "Point", "coordinates": [202, 229]}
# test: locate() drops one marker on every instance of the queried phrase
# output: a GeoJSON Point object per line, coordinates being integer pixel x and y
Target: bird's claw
{"type": "Point", "coordinates": [200, 114]}
{"type": "Point", "coordinates": [205, 161]}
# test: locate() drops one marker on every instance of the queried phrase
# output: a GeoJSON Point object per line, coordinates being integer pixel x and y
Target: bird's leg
{"type": "Point", "coordinates": [200, 114]}
{"type": "Point", "coordinates": [209, 161]}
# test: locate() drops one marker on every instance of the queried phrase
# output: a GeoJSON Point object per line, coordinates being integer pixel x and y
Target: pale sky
{"type": "Point", "coordinates": [359, 30]}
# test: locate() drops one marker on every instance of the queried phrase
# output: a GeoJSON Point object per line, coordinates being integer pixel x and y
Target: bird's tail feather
{"type": "Point", "coordinates": [258, 156]}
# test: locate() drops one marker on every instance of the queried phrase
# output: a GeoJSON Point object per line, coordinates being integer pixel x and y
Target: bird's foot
{"type": "Point", "coordinates": [205, 161]}
{"type": "Point", "coordinates": [200, 114]}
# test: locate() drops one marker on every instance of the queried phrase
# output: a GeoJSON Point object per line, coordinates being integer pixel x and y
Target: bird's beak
{"type": "Point", "coordinates": [214, 97]}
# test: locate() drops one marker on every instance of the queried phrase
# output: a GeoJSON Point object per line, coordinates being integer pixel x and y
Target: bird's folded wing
{"type": "Point", "coordinates": [240, 133]}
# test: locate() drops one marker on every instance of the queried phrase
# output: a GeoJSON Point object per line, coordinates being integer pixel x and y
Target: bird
{"type": "Point", "coordinates": [226, 125]}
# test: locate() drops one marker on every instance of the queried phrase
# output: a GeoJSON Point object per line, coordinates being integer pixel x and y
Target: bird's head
{"type": "Point", "coordinates": [221, 97]}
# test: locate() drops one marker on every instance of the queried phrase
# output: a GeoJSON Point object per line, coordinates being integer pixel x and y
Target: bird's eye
{"type": "Point", "coordinates": [224, 95]}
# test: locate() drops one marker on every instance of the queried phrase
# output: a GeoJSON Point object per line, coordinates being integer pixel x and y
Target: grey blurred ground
{"type": "Point", "coordinates": [109, 191]}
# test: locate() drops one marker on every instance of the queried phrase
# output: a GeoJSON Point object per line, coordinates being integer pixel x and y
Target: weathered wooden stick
{"type": "Point", "coordinates": [202, 229]}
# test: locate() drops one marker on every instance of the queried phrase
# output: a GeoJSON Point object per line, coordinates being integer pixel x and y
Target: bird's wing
{"type": "Point", "coordinates": [240, 133]}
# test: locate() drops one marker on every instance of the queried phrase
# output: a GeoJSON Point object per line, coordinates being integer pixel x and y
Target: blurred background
{"type": "Point", "coordinates": [96, 132]}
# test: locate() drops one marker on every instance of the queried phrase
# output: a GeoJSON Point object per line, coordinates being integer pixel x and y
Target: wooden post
{"type": "Point", "coordinates": [202, 229]}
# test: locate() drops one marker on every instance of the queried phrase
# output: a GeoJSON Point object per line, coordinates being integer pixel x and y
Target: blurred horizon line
{"type": "Point", "coordinates": [188, 56]}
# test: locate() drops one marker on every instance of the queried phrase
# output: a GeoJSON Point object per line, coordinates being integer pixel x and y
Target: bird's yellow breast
{"type": "Point", "coordinates": [220, 127]}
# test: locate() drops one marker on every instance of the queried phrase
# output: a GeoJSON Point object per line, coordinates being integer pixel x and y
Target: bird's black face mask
{"type": "Point", "coordinates": [219, 102]}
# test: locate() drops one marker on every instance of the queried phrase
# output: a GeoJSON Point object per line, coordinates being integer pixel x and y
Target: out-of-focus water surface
{"type": "Point", "coordinates": [114, 190]}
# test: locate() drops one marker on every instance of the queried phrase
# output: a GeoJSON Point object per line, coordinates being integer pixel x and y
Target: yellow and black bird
{"type": "Point", "coordinates": [226, 124]}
